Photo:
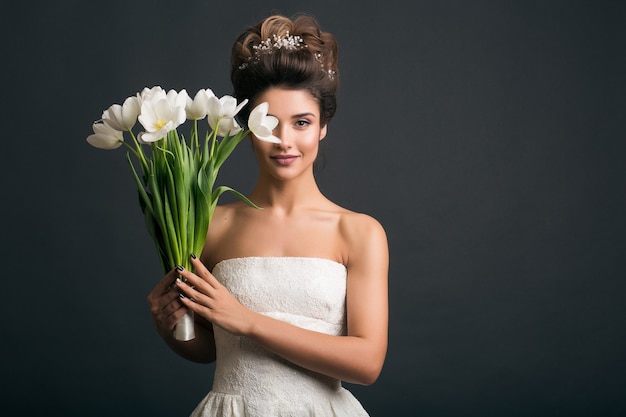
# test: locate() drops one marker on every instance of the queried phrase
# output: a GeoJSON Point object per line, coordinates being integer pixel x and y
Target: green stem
{"type": "Point", "coordinates": [214, 139]}
{"type": "Point", "coordinates": [133, 150]}
{"type": "Point", "coordinates": [194, 135]}
{"type": "Point", "coordinates": [139, 152]}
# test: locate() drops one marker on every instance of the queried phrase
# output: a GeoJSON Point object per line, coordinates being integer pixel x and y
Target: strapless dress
{"type": "Point", "coordinates": [253, 382]}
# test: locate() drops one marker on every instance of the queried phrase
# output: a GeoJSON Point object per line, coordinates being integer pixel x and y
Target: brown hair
{"type": "Point", "coordinates": [312, 67]}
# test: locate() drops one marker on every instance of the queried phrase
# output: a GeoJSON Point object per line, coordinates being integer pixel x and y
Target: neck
{"type": "Point", "coordinates": [286, 196]}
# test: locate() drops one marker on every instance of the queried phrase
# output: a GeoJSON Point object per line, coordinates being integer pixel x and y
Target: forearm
{"type": "Point", "coordinates": [349, 358]}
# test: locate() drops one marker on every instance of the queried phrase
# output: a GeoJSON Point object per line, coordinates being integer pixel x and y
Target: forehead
{"type": "Point", "coordinates": [287, 102]}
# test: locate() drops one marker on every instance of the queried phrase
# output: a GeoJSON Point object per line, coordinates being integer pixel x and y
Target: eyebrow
{"type": "Point", "coordinates": [297, 116]}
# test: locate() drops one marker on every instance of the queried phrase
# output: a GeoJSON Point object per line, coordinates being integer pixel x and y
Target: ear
{"type": "Point", "coordinates": [323, 131]}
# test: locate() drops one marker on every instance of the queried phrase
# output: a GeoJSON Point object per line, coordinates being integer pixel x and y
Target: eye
{"type": "Point", "coordinates": [302, 123]}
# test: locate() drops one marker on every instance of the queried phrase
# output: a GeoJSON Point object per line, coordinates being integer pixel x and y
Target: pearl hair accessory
{"type": "Point", "coordinates": [288, 42]}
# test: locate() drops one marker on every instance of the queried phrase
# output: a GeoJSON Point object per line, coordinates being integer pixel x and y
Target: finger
{"type": "Point", "coordinates": [194, 297]}
{"type": "Point", "coordinates": [175, 317]}
{"type": "Point", "coordinates": [173, 309]}
{"type": "Point", "coordinates": [187, 290]}
{"type": "Point", "coordinates": [193, 280]}
{"type": "Point", "coordinates": [203, 310]}
{"type": "Point", "coordinates": [163, 287]}
{"type": "Point", "coordinates": [203, 272]}
{"type": "Point", "coordinates": [160, 303]}
{"type": "Point", "coordinates": [171, 298]}
{"type": "Point", "coordinates": [166, 282]}
{"type": "Point", "coordinates": [166, 320]}
{"type": "Point", "coordinates": [187, 276]}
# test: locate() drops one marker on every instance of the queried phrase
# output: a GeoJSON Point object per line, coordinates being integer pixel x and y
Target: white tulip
{"type": "Point", "coordinates": [262, 125]}
{"type": "Point", "coordinates": [147, 93]}
{"type": "Point", "coordinates": [105, 137]}
{"type": "Point", "coordinates": [221, 114]}
{"type": "Point", "coordinates": [198, 108]}
{"type": "Point", "coordinates": [124, 117]}
{"type": "Point", "coordinates": [158, 117]}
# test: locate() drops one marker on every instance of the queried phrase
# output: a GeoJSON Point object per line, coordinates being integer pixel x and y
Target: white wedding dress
{"type": "Point", "coordinates": [252, 382]}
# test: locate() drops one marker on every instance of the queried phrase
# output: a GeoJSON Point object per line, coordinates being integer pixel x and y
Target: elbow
{"type": "Point", "coordinates": [370, 368]}
{"type": "Point", "coordinates": [369, 374]}
{"type": "Point", "coordinates": [366, 378]}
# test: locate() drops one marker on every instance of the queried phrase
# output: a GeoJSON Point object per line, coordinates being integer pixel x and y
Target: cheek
{"type": "Point", "coordinates": [310, 146]}
{"type": "Point", "coordinates": [259, 147]}
{"type": "Point", "coordinates": [312, 141]}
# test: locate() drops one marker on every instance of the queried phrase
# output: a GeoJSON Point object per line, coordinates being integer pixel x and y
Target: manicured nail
{"type": "Point", "coordinates": [193, 256]}
{"type": "Point", "coordinates": [181, 295]}
{"type": "Point", "coordinates": [180, 268]}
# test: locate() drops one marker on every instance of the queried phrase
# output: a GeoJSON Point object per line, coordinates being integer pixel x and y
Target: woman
{"type": "Point", "coordinates": [291, 299]}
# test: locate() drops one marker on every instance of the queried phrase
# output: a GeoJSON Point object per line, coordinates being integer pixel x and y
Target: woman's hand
{"type": "Point", "coordinates": [165, 304]}
{"type": "Point", "coordinates": [166, 307]}
{"type": "Point", "coordinates": [202, 293]}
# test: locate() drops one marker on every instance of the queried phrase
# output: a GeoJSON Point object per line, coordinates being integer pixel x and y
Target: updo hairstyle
{"type": "Point", "coordinates": [309, 64]}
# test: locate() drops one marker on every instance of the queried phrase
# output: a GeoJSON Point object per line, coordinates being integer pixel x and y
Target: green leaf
{"type": "Point", "coordinates": [203, 204]}
{"type": "Point", "coordinates": [140, 187]}
{"type": "Point", "coordinates": [222, 189]}
{"type": "Point", "coordinates": [159, 215]}
{"type": "Point", "coordinates": [226, 147]}
{"type": "Point", "coordinates": [171, 238]}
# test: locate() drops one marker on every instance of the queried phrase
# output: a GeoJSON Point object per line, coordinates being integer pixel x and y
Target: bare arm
{"type": "Point", "coordinates": [357, 357]}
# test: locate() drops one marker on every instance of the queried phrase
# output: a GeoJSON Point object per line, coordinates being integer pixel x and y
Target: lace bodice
{"type": "Point", "coordinates": [250, 381]}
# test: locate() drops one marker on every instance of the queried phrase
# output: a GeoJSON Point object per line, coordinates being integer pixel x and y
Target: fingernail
{"type": "Point", "coordinates": [193, 256]}
{"type": "Point", "coordinates": [180, 268]}
{"type": "Point", "coordinates": [181, 295]}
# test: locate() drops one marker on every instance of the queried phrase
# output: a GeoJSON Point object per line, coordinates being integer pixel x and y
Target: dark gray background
{"type": "Point", "coordinates": [486, 136]}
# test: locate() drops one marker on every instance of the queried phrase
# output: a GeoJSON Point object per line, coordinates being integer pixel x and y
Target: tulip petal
{"type": "Point", "coordinates": [102, 141]}
{"type": "Point", "coordinates": [197, 108]}
{"type": "Point", "coordinates": [221, 114]}
{"type": "Point", "coordinates": [262, 125]}
{"type": "Point", "coordinates": [229, 104]}
{"type": "Point", "coordinates": [130, 112]}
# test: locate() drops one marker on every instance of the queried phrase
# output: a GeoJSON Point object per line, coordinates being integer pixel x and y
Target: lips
{"type": "Point", "coordinates": [284, 160]}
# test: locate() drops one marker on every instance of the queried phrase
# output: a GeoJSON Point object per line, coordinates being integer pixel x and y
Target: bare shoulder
{"type": "Point", "coordinates": [225, 212]}
{"type": "Point", "coordinates": [357, 225]}
{"type": "Point", "coordinates": [364, 238]}
{"type": "Point", "coordinates": [224, 217]}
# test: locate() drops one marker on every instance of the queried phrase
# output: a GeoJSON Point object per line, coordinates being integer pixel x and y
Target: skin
{"type": "Point", "coordinates": [296, 220]}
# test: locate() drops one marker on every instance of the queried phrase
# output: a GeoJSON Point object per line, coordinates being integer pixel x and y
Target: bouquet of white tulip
{"type": "Point", "coordinates": [176, 185]}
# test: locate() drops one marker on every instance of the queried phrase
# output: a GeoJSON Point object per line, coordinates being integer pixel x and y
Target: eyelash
{"type": "Point", "coordinates": [302, 123]}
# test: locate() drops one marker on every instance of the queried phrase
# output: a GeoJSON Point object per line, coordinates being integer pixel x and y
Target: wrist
{"type": "Point", "coordinates": [250, 323]}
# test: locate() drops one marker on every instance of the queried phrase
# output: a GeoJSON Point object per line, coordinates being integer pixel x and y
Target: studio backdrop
{"type": "Point", "coordinates": [488, 138]}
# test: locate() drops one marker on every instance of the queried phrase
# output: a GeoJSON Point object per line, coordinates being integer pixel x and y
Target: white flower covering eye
{"type": "Point", "coordinates": [262, 125]}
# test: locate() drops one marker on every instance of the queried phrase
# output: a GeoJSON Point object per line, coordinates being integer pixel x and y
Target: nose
{"type": "Point", "coordinates": [282, 132]}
